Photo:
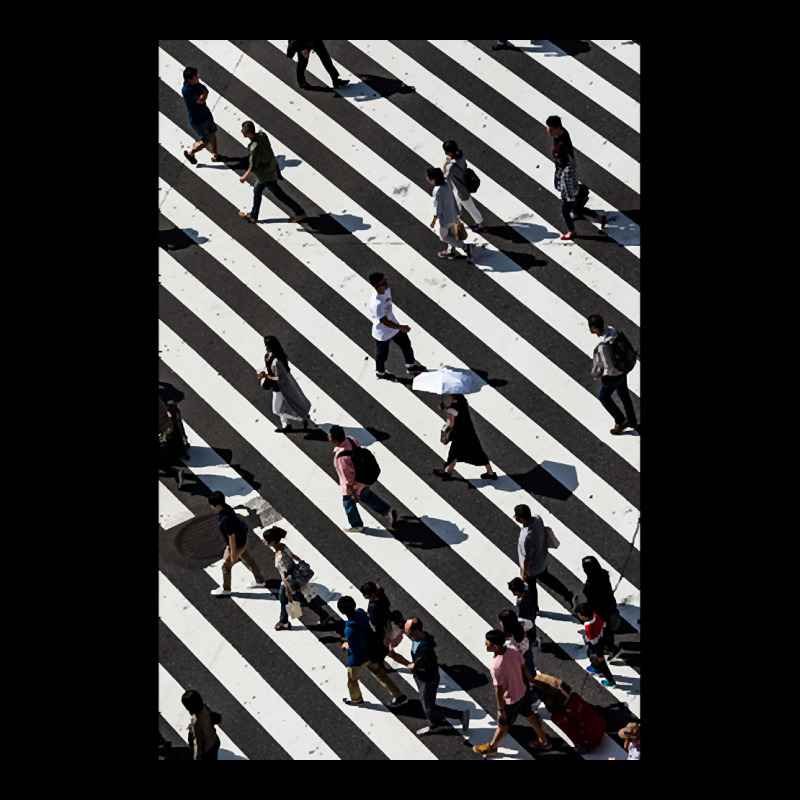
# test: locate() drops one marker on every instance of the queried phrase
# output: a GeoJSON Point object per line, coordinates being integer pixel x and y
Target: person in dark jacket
{"type": "Point", "coordinates": [264, 165]}
{"type": "Point", "coordinates": [426, 675]}
{"type": "Point", "coordinates": [195, 95]}
{"type": "Point", "coordinates": [384, 620]}
{"type": "Point", "coordinates": [464, 442]}
{"type": "Point", "coordinates": [600, 596]}
{"type": "Point", "coordinates": [234, 534]}
{"type": "Point", "coordinates": [203, 737]}
{"type": "Point", "coordinates": [303, 48]}
{"type": "Point", "coordinates": [356, 631]}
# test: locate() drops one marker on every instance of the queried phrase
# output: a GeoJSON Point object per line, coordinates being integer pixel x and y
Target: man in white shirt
{"type": "Point", "coordinates": [385, 329]}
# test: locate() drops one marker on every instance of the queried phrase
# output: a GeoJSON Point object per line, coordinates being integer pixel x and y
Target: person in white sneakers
{"type": "Point", "coordinates": [354, 492]}
{"type": "Point", "coordinates": [234, 534]}
{"type": "Point", "coordinates": [446, 213]}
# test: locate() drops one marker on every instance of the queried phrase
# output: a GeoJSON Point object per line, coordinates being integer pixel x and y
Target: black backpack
{"type": "Point", "coordinates": [376, 649]}
{"type": "Point", "coordinates": [623, 356]}
{"type": "Point", "coordinates": [471, 180]}
{"type": "Point", "coordinates": [364, 463]}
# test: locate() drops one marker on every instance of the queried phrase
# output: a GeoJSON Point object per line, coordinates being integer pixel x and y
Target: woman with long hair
{"type": "Point", "coordinates": [288, 401]}
{"type": "Point", "coordinates": [600, 596]}
{"type": "Point", "coordinates": [454, 169]}
{"type": "Point", "coordinates": [464, 442]}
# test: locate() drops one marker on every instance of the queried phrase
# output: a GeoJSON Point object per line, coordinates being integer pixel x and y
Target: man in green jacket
{"type": "Point", "coordinates": [264, 166]}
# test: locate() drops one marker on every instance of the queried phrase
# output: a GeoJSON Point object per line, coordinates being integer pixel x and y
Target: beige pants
{"type": "Point", "coordinates": [380, 675]}
{"type": "Point", "coordinates": [246, 557]}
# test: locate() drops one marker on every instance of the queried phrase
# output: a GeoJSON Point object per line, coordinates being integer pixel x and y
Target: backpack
{"type": "Point", "coordinates": [471, 180]}
{"type": "Point", "coordinates": [364, 463]}
{"type": "Point", "coordinates": [623, 356]}
{"type": "Point", "coordinates": [376, 649]}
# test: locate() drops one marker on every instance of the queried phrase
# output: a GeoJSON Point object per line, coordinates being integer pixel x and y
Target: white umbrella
{"type": "Point", "coordinates": [443, 381]}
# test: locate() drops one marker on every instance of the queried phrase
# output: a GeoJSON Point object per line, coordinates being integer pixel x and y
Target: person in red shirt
{"type": "Point", "coordinates": [509, 673]}
{"type": "Point", "coordinates": [596, 634]}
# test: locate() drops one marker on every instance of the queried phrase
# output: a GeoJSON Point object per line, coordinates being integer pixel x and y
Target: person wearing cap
{"type": "Point", "coordinates": [631, 736]}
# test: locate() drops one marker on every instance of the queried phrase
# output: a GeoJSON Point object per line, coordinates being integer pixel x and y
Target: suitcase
{"type": "Point", "coordinates": [581, 723]}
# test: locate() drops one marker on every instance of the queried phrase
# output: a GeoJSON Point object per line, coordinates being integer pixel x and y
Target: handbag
{"type": "Point", "coordinates": [299, 576]}
{"type": "Point", "coordinates": [392, 630]}
{"type": "Point", "coordinates": [550, 538]}
{"type": "Point", "coordinates": [309, 592]}
{"type": "Point", "coordinates": [461, 231]}
{"type": "Point", "coordinates": [446, 435]}
{"type": "Point", "coordinates": [294, 610]}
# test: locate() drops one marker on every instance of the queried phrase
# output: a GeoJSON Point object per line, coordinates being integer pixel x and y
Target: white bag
{"type": "Point", "coordinates": [393, 630]}
{"type": "Point", "coordinates": [550, 538]}
{"type": "Point", "coordinates": [309, 592]}
{"type": "Point", "coordinates": [294, 610]}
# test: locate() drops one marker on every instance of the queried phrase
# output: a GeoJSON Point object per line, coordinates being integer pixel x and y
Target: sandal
{"type": "Point", "coordinates": [283, 626]}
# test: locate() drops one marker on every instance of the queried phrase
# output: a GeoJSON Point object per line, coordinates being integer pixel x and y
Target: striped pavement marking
{"type": "Point", "coordinates": [624, 50]}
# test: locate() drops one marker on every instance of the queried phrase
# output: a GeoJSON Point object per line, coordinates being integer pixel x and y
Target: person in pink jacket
{"type": "Point", "coordinates": [354, 492]}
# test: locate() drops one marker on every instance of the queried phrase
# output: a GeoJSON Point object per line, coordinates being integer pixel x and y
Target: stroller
{"type": "Point", "coordinates": [172, 442]}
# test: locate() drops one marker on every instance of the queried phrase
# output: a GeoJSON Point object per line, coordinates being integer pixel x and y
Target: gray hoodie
{"type": "Point", "coordinates": [601, 359]}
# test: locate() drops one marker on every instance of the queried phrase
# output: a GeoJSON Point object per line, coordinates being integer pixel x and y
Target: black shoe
{"type": "Point", "coordinates": [398, 701]}
{"type": "Point", "coordinates": [487, 476]}
{"type": "Point", "coordinates": [189, 157]}
{"type": "Point", "coordinates": [283, 430]}
{"type": "Point", "coordinates": [416, 367]}
{"type": "Point", "coordinates": [441, 473]}
{"type": "Point", "coordinates": [386, 376]}
{"type": "Point", "coordinates": [338, 83]}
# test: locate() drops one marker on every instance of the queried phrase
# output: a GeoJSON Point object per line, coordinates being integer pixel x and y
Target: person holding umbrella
{"type": "Point", "coordinates": [464, 442]}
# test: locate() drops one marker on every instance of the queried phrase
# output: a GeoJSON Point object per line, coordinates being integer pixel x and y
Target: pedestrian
{"type": "Point", "coordinates": [195, 95]}
{"type": "Point", "coordinates": [525, 603]}
{"type": "Point", "coordinates": [284, 563]}
{"type": "Point", "coordinates": [203, 737]}
{"type": "Point", "coordinates": [534, 556]}
{"type": "Point", "coordinates": [426, 675]}
{"type": "Point", "coordinates": [504, 44]}
{"type": "Point", "coordinates": [464, 443]}
{"type": "Point", "coordinates": [445, 210]}
{"type": "Point", "coordinates": [234, 533]}
{"type": "Point", "coordinates": [518, 632]}
{"type": "Point", "coordinates": [360, 655]}
{"type": "Point", "coordinates": [553, 127]}
{"type": "Point", "coordinates": [611, 379]}
{"type": "Point", "coordinates": [288, 401]}
{"type": "Point", "coordinates": [386, 328]}
{"type": "Point", "coordinates": [303, 48]}
{"type": "Point", "coordinates": [263, 164]}
{"type": "Point", "coordinates": [631, 736]}
{"type": "Point", "coordinates": [596, 636]}
{"type": "Point", "coordinates": [384, 621]}
{"type": "Point", "coordinates": [354, 492]}
{"type": "Point", "coordinates": [509, 674]}
{"type": "Point", "coordinates": [173, 445]}
{"type": "Point", "coordinates": [599, 594]}
{"type": "Point", "coordinates": [454, 170]}
{"type": "Point", "coordinates": [573, 200]}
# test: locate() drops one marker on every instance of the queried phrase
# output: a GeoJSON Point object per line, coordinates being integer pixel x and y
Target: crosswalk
{"type": "Point", "coordinates": [354, 158]}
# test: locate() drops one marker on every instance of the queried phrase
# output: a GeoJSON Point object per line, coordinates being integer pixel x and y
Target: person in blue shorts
{"type": "Point", "coordinates": [195, 95]}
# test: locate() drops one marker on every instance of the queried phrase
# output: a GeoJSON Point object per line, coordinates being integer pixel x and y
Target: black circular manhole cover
{"type": "Point", "coordinates": [200, 538]}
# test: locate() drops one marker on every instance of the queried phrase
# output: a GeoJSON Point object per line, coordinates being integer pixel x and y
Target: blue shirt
{"type": "Point", "coordinates": [355, 631]}
{"type": "Point", "coordinates": [198, 112]}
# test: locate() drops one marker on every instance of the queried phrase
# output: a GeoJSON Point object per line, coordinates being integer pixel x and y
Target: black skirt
{"type": "Point", "coordinates": [464, 444]}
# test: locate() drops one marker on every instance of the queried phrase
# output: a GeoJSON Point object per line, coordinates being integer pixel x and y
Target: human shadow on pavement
{"type": "Point", "coordinates": [381, 87]}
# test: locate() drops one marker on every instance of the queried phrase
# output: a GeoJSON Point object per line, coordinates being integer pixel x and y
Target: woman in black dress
{"type": "Point", "coordinates": [464, 443]}
{"type": "Point", "coordinates": [599, 594]}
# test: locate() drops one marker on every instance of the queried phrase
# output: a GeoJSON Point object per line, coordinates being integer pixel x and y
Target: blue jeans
{"type": "Point", "coordinates": [279, 195]}
{"type": "Point", "coordinates": [382, 350]}
{"type": "Point", "coordinates": [368, 498]}
{"type": "Point", "coordinates": [618, 384]}
{"type": "Point", "coordinates": [566, 212]}
{"type": "Point", "coordinates": [316, 604]}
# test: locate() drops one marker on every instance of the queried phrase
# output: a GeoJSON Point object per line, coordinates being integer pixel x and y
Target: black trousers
{"type": "Point", "coordinates": [318, 46]}
{"type": "Point", "coordinates": [550, 581]}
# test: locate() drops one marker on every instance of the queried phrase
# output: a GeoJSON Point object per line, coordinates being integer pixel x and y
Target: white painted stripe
{"type": "Point", "coordinates": [579, 76]}
{"type": "Point", "coordinates": [332, 584]}
{"type": "Point", "coordinates": [522, 284]}
{"type": "Point", "coordinates": [418, 580]}
{"type": "Point", "coordinates": [336, 584]}
{"type": "Point", "coordinates": [624, 50]}
{"type": "Point", "coordinates": [533, 102]}
{"type": "Point", "coordinates": [598, 495]}
{"type": "Point", "coordinates": [409, 409]}
{"type": "Point", "coordinates": [171, 511]}
{"type": "Point", "coordinates": [483, 125]}
{"type": "Point", "coordinates": [171, 708]}
{"type": "Point", "coordinates": [239, 677]}
{"type": "Point", "coordinates": [497, 334]}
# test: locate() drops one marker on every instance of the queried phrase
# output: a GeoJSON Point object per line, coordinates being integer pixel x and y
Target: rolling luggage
{"type": "Point", "coordinates": [581, 723]}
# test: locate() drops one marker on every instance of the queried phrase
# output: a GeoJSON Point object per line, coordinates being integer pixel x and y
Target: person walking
{"type": "Point", "coordinates": [288, 401]}
{"type": "Point", "coordinates": [195, 95]}
{"type": "Point", "coordinates": [284, 559]}
{"type": "Point", "coordinates": [573, 195]}
{"type": "Point", "coordinates": [263, 164]}
{"type": "Point", "coordinates": [234, 533]}
{"type": "Point", "coordinates": [534, 556]}
{"type": "Point", "coordinates": [553, 127]}
{"type": "Point", "coordinates": [426, 675]}
{"type": "Point", "coordinates": [445, 210]}
{"type": "Point", "coordinates": [600, 596]}
{"type": "Point", "coordinates": [464, 443]}
{"type": "Point", "coordinates": [384, 621]}
{"type": "Point", "coordinates": [611, 379]}
{"type": "Point", "coordinates": [509, 674]}
{"type": "Point", "coordinates": [203, 738]}
{"type": "Point", "coordinates": [518, 632]}
{"type": "Point", "coordinates": [354, 492]}
{"type": "Point", "coordinates": [303, 48]}
{"type": "Point", "coordinates": [596, 637]}
{"type": "Point", "coordinates": [357, 633]}
{"type": "Point", "coordinates": [386, 329]}
{"type": "Point", "coordinates": [525, 603]}
{"type": "Point", "coordinates": [631, 736]}
{"type": "Point", "coordinates": [454, 170]}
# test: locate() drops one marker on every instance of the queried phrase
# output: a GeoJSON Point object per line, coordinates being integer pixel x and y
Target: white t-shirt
{"type": "Point", "coordinates": [381, 306]}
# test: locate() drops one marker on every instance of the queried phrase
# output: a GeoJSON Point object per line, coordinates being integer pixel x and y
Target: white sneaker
{"type": "Point", "coordinates": [220, 591]}
{"type": "Point", "coordinates": [354, 529]}
{"type": "Point", "coordinates": [254, 585]}
{"type": "Point", "coordinates": [427, 730]}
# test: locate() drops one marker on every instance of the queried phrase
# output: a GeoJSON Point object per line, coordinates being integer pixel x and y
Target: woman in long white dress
{"type": "Point", "coordinates": [288, 401]}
